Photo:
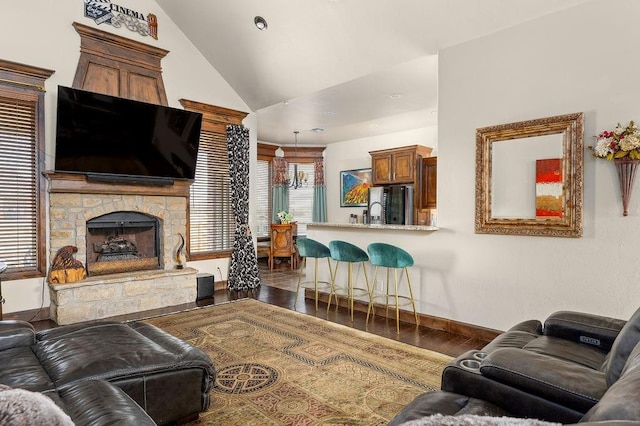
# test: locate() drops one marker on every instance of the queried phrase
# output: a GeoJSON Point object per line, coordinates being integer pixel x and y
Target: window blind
{"type": "Point", "coordinates": [263, 198]}
{"type": "Point", "coordinates": [301, 199]}
{"type": "Point", "coordinates": [18, 184]}
{"type": "Point", "coordinates": [211, 214]}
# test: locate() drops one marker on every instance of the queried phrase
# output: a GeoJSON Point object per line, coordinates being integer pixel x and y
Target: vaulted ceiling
{"type": "Point", "coordinates": [354, 68]}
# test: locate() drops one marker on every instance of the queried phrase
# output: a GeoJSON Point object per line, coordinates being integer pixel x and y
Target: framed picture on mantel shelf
{"type": "Point", "coordinates": [354, 187]}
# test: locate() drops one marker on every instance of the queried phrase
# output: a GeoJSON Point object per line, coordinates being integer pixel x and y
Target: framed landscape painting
{"type": "Point", "coordinates": [354, 187]}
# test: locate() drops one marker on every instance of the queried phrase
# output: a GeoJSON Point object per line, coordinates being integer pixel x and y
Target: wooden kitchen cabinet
{"type": "Point", "coordinates": [380, 168]}
{"type": "Point", "coordinates": [429, 185]}
{"type": "Point", "coordinates": [397, 165]}
{"type": "Point", "coordinates": [404, 166]}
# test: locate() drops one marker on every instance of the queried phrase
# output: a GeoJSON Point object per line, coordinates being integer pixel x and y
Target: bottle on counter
{"type": "Point", "coordinates": [365, 217]}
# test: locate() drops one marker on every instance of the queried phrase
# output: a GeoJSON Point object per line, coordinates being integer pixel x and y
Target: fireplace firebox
{"type": "Point", "coordinates": [122, 241]}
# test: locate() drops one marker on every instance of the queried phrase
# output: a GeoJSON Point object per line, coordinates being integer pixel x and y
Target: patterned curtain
{"type": "Point", "coordinates": [280, 188]}
{"type": "Point", "coordinates": [319, 213]}
{"type": "Point", "coordinates": [243, 271]}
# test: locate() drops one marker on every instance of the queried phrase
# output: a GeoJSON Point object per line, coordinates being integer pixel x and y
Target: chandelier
{"type": "Point", "coordinates": [299, 178]}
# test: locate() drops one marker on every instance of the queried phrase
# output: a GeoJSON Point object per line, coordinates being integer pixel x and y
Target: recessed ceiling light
{"type": "Point", "coordinates": [260, 22]}
{"type": "Point", "coordinates": [328, 113]}
{"type": "Point", "coordinates": [317, 129]}
{"type": "Point", "coordinates": [396, 95]}
{"type": "Point", "coordinates": [373, 125]}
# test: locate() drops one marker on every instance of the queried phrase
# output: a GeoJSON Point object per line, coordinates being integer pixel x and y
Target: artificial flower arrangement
{"type": "Point", "coordinates": [285, 217]}
{"type": "Point", "coordinates": [619, 143]}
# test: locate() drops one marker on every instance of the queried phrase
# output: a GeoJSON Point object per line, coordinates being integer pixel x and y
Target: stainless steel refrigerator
{"type": "Point", "coordinates": [391, 204]}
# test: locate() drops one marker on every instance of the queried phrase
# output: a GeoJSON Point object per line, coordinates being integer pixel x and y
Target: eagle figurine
{"type": "Point", "coordinates": [65, 268]}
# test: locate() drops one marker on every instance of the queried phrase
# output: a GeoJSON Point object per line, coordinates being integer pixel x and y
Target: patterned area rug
{"type": "Point", "coordinates": [280, 367]}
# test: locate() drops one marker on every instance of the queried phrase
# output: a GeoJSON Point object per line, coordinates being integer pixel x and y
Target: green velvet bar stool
{"type": "Point", "coordinates": [308, 248]}
{"type": "Point", "coordinates": [392, 257]}
{"type": "Point", "coordinates": [342, 251]}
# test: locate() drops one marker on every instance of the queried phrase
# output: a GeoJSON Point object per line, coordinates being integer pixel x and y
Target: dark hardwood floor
{"type": "Point", "coordinates": [278, 288]}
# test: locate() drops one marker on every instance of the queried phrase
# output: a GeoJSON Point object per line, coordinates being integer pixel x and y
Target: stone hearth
{"type": "Point", "coordinates": [72, 202]}
{"type": "Point", "coordinates": [117, 294]}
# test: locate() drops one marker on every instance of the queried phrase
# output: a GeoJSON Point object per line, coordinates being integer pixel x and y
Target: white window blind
{"type": "Point", "coordinates": [301, 199]}
{"type": "Point", "coordinates": [262, 196]}
{"type": "Point", "coordinates": [18, 183]}
{"type": "Point", "coordinates": [211, 215]}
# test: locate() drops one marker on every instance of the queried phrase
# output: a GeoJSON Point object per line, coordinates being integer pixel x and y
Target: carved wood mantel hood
{"type": "Point", "coordinates": [118, 66]}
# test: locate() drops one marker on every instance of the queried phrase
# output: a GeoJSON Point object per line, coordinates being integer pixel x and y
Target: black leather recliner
{"type": "Point", "coordinates": [556, 372]}
{"type": "Point", "coordinates": [619, 405]}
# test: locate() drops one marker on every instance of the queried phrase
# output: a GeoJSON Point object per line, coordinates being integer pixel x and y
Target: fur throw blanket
{"type": "Point", "coordinates": [471, 420]}
{"type": "Point", "coordinates": [19, 407]}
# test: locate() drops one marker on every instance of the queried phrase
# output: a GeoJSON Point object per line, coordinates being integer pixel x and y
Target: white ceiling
{"type": "Point", "coordinates": [333, 64]}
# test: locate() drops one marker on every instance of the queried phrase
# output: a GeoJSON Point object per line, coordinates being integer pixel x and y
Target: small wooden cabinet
{"type": "Point", "coordinates": [283, 244]}
{"type": "Point", "coordinates": [429, 185]}
{"type": "Point", "coordinates": [397, 165]}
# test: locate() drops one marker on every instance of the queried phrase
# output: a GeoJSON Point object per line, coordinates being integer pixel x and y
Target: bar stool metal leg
{"type": "Point", "coordinates": [303, 264]}
{"type": "Point", "coordinates": [333, 293]}
{"type": "Point", "coordinates": [413, 300]}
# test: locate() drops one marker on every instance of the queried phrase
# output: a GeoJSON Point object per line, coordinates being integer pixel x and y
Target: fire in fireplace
{"type": "Point", "coordinates": [122, 242]}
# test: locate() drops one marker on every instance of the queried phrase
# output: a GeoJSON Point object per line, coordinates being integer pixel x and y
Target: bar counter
{"type": "Point", "coordinates": [421, 228]}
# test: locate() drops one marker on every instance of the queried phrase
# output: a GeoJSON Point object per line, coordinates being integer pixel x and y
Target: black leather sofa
{"type": "Point", "coordinates": [573, 368]}
{"type": "Point", "coordinates": [108, 372]}
{"type": "Point", "coordinates": [97, 403]}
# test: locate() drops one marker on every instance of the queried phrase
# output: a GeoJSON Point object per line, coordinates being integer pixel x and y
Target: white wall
{"type": "Point", "coordinates": [570, 62]}
{"type": "Point", "coordinates": [41, 34]}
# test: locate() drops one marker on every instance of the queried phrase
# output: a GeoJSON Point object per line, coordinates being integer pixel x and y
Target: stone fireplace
{"type": "Point", "coordinates": [134, 230]}
{"type": "Point", "coordinates": [122, 241]}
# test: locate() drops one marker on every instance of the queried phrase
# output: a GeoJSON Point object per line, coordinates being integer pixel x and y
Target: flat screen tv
{"type": "Point", "coordinates": [116, 138]}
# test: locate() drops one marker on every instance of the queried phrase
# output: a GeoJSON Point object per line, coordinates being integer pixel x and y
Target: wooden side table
{"type": "Point", "coordinates": [283, 243]}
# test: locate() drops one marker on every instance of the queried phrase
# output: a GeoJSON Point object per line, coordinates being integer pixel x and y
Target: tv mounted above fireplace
{"type": "Point", "coordinates": [120, 140]}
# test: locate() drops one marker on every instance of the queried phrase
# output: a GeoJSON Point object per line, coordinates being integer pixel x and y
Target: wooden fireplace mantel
{"type": "Point", "coordinates": [72, 183]}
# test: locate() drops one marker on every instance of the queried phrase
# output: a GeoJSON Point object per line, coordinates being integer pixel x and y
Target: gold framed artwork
{"type": "Point", "coordinates": [529, 177]}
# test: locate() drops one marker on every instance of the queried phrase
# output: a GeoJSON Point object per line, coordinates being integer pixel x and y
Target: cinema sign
{"type": "Point", "coordinates": [105, 12]}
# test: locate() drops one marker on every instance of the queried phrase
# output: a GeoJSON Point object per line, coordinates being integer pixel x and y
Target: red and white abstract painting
{"type": "Point", "coordinates": [549, 193]}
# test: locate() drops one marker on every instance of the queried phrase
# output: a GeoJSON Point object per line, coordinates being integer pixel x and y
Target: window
{"type": "Point", "coordinates": [22, 215]}
{"type": "Point", "coordinates": [211, 214]}
{"type": "Point", "coordinates": [301, 199]}
{"type": "Point", "coordinates": [263, 198]}
{"type": "Point", "coordinates": [211, 222]}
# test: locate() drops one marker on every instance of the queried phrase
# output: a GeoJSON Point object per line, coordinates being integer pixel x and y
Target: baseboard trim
{"type": "Point", "coordinates": [429, 321]}
{"type": "Point", "coordinates": [220, 285]}
{"type": "Point", "coordinates": [30, 315]}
